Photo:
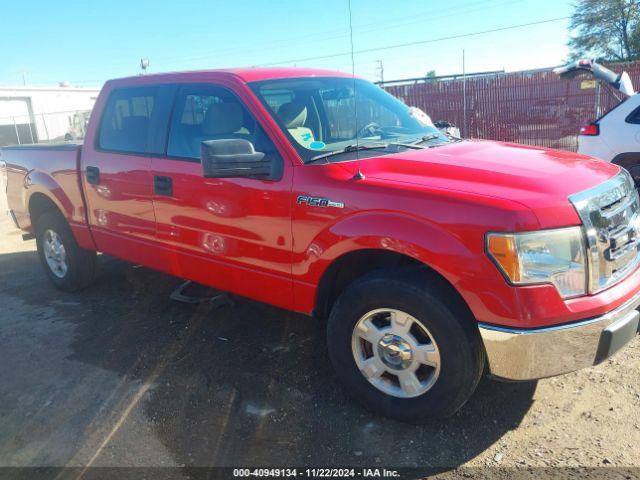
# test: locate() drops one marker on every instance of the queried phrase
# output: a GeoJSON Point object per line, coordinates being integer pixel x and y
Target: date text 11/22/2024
{"type": "Point", "coordinates": [316, 472]}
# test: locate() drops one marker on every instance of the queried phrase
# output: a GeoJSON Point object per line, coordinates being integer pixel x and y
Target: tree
{"type": "Point", "coordinates": [608, 30]}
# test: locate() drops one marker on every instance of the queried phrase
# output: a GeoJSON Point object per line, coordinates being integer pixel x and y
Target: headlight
{"type": "Point", "coordinates": [546, 256]}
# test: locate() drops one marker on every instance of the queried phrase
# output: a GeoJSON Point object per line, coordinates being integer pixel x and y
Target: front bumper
{"type": "Point", "coordinates": [517, 354]}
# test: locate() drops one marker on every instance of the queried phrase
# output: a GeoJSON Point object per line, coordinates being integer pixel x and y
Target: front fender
{"type": "Point", "coordinates": [456, 254]}
{"type": "Point", "coordinates": [453, 248]}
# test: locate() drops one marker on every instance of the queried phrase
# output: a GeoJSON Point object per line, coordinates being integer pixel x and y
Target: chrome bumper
{"type": "Point", "coordinates": [515, 354]}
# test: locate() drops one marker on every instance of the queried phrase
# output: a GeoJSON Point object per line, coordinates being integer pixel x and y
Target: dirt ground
{"type": "Point", "coordinates": [121, 375]}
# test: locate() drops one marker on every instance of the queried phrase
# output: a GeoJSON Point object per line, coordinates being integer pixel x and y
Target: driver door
{"type": "Point", "coordinates": [231, 233]}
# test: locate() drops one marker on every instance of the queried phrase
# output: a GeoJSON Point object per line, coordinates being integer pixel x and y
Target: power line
{"type": "Point", "coordinates": [419, 42]}
{"type": "Point", "coordinates": [387, 24]}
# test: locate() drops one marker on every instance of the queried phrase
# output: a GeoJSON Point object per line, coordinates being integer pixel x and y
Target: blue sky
{"type": "Point", "coordinates": [89, 42]}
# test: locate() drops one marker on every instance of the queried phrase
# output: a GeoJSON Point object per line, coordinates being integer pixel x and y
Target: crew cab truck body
{"type": "Point", "coordinates": [429, 256]}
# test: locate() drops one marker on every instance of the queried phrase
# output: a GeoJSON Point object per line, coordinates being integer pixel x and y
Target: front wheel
{"type": "Point", "coordinates": [404, 346]}
{"type": "Point", "coordinates": [68, 266]}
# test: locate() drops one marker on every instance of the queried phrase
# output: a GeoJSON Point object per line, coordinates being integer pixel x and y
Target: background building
{"type": "Point", "coordinates": [43, 114]}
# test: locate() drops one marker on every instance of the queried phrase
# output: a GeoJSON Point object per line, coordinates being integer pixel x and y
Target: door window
{"type": "Point", "coordinates": [134, 121]}
{"type": "Point", "coordinates": [211, 113]}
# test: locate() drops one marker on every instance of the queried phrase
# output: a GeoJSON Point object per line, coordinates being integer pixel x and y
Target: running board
{"type": "Point", "coordinates": [180, 294]}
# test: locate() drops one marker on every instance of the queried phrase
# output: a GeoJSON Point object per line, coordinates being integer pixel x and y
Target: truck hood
{"type": "Point", "coordinates": [537, 178]}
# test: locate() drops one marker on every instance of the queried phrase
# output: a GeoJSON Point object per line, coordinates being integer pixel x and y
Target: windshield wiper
{"type": "Point", "coordinates": [348, 149]}
{"type": "Point", "coordinates": [354, 148]}
{"type": "Point", "coordinates": [412, 145]}
{"type": "Point", "coordinates": [453, 138]}
{"type": "Point", "coordinates": [435, 136]}
{"type": "Point", "coordinates": [426, 138]}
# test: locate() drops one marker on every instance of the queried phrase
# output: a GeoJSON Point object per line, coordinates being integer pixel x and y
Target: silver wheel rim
{"type": "Point", "coordinates": [55, 254]}
{"type": "Point", "coordinates": [396, 353]}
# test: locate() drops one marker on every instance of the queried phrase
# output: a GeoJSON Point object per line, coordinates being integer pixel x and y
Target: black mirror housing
{"type": "Point", "coordinates": [235, 157]}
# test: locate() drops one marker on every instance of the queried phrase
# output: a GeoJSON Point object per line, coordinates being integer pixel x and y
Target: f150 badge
{"type": "Point", "coordinates": [318, 202]}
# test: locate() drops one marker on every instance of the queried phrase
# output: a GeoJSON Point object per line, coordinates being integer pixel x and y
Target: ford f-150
{"type": "Point", "coordinates": [432, 259]}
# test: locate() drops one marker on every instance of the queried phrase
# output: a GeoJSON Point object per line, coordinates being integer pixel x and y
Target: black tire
{"type": "Point", "coordinates": [451, 325]}
{"type": "Point", "coordinates": [81, 263]}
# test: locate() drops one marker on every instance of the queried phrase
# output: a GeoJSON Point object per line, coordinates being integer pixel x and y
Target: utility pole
{"type": "Point", "coordinates": [380, 69]}
{"type": "Point", "coordinates": [464, 95]}
{"type": "Point", "coordinates": [24, 77]}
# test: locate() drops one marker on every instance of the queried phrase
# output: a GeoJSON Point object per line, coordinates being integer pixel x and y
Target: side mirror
{"type": "Point", "coordinates": [233, 158]}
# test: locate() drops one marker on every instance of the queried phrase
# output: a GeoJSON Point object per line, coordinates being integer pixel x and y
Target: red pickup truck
{"type": "Point", "coordinates": [432, 259]}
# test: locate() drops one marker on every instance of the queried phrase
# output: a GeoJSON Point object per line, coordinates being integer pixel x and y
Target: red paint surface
{"type": "Point", "coordinates": [252, 238]}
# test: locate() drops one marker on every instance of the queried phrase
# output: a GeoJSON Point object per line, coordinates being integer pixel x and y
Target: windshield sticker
{"type": "Point", "coordinates": [317, 145]}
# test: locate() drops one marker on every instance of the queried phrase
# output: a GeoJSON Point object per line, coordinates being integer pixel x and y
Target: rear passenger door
{"type": "Point", "coordinates": [116, 167]}
{"type": "Point", "coordinates": [231, 233]}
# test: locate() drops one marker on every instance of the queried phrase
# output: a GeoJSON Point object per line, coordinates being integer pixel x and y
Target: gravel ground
{"type": "Point", "coordinates": [120, 375]}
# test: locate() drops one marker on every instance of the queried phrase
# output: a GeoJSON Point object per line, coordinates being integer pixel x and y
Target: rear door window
{"type": "Point", "coordinates": [135, 120]}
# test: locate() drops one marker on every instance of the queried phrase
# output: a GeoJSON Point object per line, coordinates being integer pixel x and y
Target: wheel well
{"type": "Point", "coordinates": [351, 266]}
{"type": "Point", "coordinates": [39, 203]}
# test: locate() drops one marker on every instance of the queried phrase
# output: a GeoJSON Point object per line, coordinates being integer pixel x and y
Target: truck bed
{"type": "Point", "coordinates": [32, 167]}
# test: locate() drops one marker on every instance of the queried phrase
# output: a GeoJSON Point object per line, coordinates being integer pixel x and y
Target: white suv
{"type": "Point", "coordinates": [614, 137]}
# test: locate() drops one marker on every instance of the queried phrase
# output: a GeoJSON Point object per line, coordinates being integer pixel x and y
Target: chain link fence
{"type": "Point", "coordinates": [43, 127]}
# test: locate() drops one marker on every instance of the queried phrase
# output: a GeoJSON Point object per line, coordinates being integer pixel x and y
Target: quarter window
{"type": "Point", "coordinates": [634, 117]}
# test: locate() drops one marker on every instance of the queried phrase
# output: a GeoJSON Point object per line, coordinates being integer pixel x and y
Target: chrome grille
{"type": "Point", "coordinates": [610, 213]}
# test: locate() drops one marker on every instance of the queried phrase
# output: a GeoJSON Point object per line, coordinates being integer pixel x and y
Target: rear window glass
{"type": "Point", "coordinates": [634, 117]}
{"type": "Point", "coordinates": [275, 98]}
{"type": "Point", "coordinates": [610, 110]}
{"type": "Point", "coordinates": [127, 119]}
{"type": "Point", "coordinates": [339, 111]}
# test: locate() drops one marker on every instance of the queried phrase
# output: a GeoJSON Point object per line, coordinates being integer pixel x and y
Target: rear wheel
{"type": "Point", "coordinates": [68, 266]}
{"type": "Point", "coordinates": [404, 346]}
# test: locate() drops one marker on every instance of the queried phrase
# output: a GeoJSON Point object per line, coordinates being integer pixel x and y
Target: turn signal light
{"type": "Point", "coordinates": [590, 130]}
{"type": "Point", "coordinates": [503, 249]}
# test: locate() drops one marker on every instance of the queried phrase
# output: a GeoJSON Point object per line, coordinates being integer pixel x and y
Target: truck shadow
{"type": "Point", "coordinates": [251, 385]}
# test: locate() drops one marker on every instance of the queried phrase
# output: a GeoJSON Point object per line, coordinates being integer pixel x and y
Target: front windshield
{"type": "Point", "coordinates": [318, 115]}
